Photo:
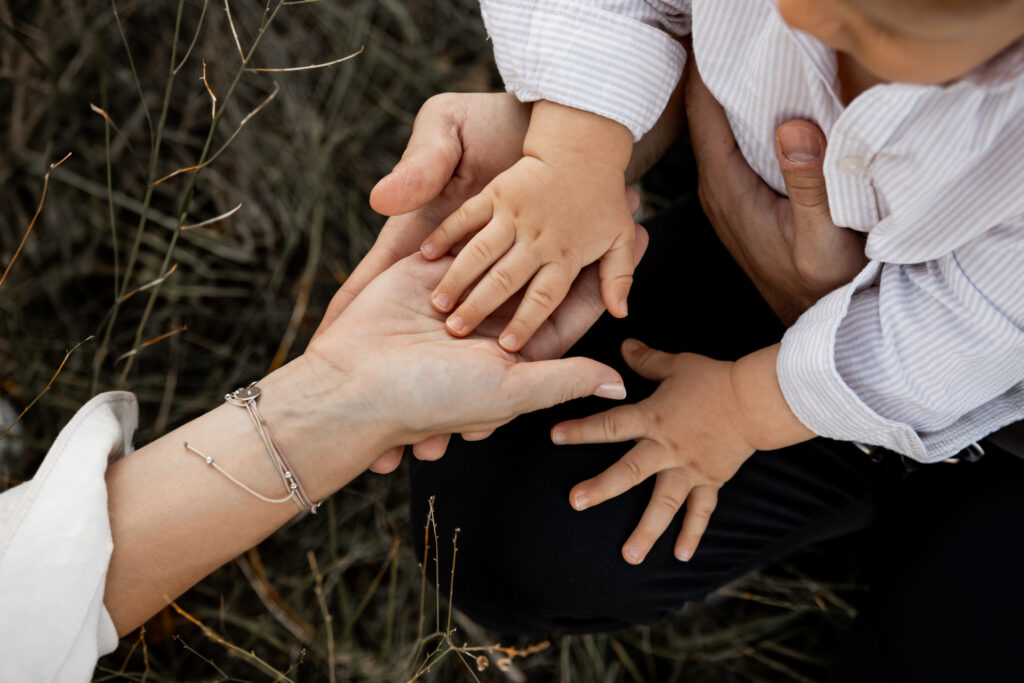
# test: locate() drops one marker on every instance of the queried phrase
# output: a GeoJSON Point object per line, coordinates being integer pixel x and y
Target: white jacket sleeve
{"type": "Point", "coordinates": [923, 359]}
{"type": "Point", "coordinates": [619, 59]}
{"type": "Point", "coordinates": [55, 547]}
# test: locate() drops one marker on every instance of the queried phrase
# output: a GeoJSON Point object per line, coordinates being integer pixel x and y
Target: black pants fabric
{"type": "Point", "coordinates": [529, 564]}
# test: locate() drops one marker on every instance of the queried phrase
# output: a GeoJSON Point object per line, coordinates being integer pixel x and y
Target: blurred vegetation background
{"type": "Point", "coordinates": [181, 316]}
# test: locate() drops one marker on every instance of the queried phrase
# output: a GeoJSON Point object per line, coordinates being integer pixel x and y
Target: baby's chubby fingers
{"type": "Point", "coordinates": [484, 250]}
{"type": "Point", "coordinates": [499, 283]}
{"type": "Point", "coordinates": [475, 213]}
{"type": "Point", "coordinates": [544, 294]}
{"type": "Point", "coordinates": [640, 462]}
{"type": "Point", "coordinates": [699, 505]}
{"type": "Point", "coordinates": [670, 491]}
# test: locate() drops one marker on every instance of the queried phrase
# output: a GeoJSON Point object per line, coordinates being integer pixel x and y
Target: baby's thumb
{"type": "Point", "coordinates": [616, 273]}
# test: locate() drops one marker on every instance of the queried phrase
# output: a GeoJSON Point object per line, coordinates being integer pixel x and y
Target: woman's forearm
{"type": "Point", "coordinates": [175, 519]}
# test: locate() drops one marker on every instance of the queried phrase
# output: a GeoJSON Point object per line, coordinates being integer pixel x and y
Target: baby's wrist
{"type": "Point", "coordinates": [558, 133]}
{"type": "Point", "coordinates": [764, 418]}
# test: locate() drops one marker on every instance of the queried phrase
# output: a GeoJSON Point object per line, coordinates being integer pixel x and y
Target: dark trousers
{"type": "Point", "coordinates": [949, 561]}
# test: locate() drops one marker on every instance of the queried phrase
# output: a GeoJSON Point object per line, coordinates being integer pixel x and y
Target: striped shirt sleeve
{"type": "Point", "coordinates": [616, 58]}
{"type": "Point", "coordinates": [922, 359]}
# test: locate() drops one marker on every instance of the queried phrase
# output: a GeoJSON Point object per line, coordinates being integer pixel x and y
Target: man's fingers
{"type": "Point", "coordinates": [670, 490]}
{"type": "Point", "coordinates": [800, 148]}
{"type": "Point", "coordinates": [616, 273]}
{"type": "Point", "coordinates": [430, 159]}
{"type": "Point", "coordinates": [647, 362]}
{"type": "Point", "coordinates": [474, 214]}
{"type": "Point", "coordinates": [431, 448]}
{"type": "Point", "coordinates": [699, 505]}
{"type": "Point", "coordinates": [542, 296]}
{"type": "Point", "coordinates": [534, 385]}
{"type": "Point", "coordinates": [388, 461]}
{"type": "Point", "coordinates": [640, 462]}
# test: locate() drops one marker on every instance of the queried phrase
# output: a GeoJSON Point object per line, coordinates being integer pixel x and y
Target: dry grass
{"type": "Point", "coordinates": [213, 202]}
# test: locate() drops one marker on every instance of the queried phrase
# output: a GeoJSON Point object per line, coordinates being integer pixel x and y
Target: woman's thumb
{"type": "Point", "coordinates": [800, 148]}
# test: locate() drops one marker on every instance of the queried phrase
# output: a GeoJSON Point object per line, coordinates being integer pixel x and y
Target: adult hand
{"type": "Point", "coordinates": [459, 142]}
{"type": "Point", "coordinates": [789, 247]}
{"type": "Point", "coordinates": [420, 382]}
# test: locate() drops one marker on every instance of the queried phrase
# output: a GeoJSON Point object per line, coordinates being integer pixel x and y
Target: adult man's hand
{"type": "Point", "coordinates": [789, 247]}
{"type": "Point", "coordinates": [459, 143]}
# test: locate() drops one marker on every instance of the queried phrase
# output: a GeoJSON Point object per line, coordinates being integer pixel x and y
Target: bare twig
{"type": "Point", "coordinates": [31, 224]}
{"type": "Point", "coordinates": [309, 66]}
{"type": "Point", "coordinates": [47, 387]}
{"type": "Point", "coordinates": [245, 655]}
{"type": "Point", "coordinates": [328, 619]}
{"type": "Point", "coordinates": [149, 342]}
{"type": "Point", "coordinates": [231, 23]}
{"type": "Point", "coordinates": [213, 98]}
{"type": "Point", "coordinates": [211, 221]}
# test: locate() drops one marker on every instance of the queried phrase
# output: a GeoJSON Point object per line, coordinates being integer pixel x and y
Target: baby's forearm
{"type": "Point", "coordinates": [562, 134]}
{"type": "Point", "coordinates": [766, 421]}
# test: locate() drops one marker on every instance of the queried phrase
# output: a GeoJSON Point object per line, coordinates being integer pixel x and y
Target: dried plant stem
{"type": "Point", "coordinates": [311, 66]}
{"type": "Point", "coordinates": [35, 217]}
{"type": "Point", "coordinates": [195, 37]}
{"type": "Point", "coordinates": [204, 158]}
{"type": "Point", "coordinates": [47, 387]}
{"type": "Point", "coordinates": [156, 141]}
{"type": "Point", "coordinates": [245, 655]}
{"type": "Point", "coordinates": [328, 619]}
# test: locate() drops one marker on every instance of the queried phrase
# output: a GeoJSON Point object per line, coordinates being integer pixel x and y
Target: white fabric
{"type": "Point", "coordinates": [55, 547]}
{"type": "Point", "coordinates": [924, 352]}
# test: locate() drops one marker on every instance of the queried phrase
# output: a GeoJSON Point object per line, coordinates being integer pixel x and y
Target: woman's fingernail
{"type": "Point", "coordinates": [442, 301]}
{"type": "Point", "coordinates": [799, 144]}
{"type": "Point", "coordinates": [633, 555]}
{"type": "Point", "coordinates": [684, 555]}
{"type": "Point", "coordinates": [428, 249]}
{"type": "Point", "coordinates": [581, 502]}
{"type": "Point", "coordinates": [558, 437]}
{"type": "Point", "coordinates": [624, 307]}
{"type": "Point", "coordinates": [630, 345]}
{"type": "Point", "coordinates": [508, 342]}
{"type": "Point", "coordinates": [454, 324]}
{"type": "Point", "coordinates": [613, 390]}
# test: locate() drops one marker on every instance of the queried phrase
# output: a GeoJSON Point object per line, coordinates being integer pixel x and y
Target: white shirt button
{"type": "Point", "coordinates": [852, 164]}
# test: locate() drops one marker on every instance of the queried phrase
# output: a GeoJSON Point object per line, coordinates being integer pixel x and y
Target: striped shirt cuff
{"type": "Point", "coordinates": [584, 57]}
{"type": "Point", "coordinates": [816, 392]}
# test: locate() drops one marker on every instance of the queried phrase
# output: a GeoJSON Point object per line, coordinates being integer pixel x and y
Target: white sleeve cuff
{"type": "Point", "coordinates": [55, 547]}
{"type": "Point", "coordinates": [816, 392]}
{"type": "Point", "coordinates": [584, 57]}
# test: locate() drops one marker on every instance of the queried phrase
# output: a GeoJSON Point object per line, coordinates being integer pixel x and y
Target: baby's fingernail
{"type": "Point", "coordinates": [455, 324]}
{"type": "Point", "coordinates": [442, 301]}
{"type": "Point", "coordinates": [613, 390]}
{"type": "Point", "coordinates": [633, 555]}
{"type": "Point", "coordinates": [558, 437]}
{"type": "Point", "coordinates": [684, 554]}
{"type": "Point", "coordinates": [509, 341]}
{"type": "Point", "coordinates": [427, 249]}
{"type": "Point", "coordinates": [630, 346]}
{"type": "Point", "coordinates": [581, 502]}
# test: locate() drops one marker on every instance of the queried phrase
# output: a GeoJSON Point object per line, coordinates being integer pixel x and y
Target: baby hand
{"type": "Point", "coordinates": [537, 224]}
{"type": "Point", "coordinates": [687, 433]}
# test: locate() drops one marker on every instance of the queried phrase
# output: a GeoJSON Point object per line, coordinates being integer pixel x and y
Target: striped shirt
{"type": "Point", "coordinates": [923, 352]}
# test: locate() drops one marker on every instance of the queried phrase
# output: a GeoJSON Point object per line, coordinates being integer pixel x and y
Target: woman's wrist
{"type": "Point", "coordinates": [323, 422]}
